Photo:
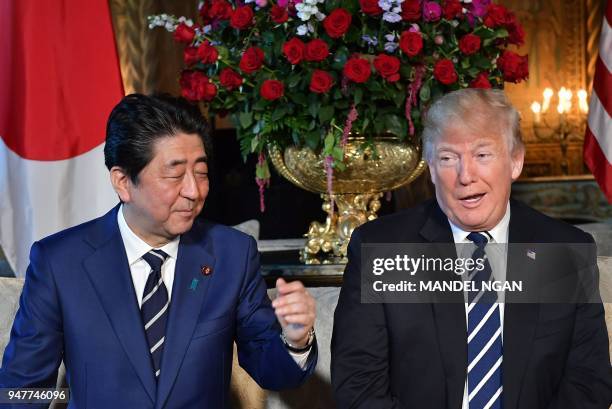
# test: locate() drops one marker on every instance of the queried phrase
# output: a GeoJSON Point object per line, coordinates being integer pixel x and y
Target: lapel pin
{"type": "Point", "coordinates": [531, 254]}
{"type": "Point", "coordinates": [194, 284]}
{"type": "Point", "coordinates": [206, 270]}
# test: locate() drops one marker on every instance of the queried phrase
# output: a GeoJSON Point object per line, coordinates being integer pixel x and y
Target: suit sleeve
{"type": "Point", "coordinates": [587, 378]}
{"type": "Point", "coordinates": [261, 351]}
{"type": "Point", "coordinates": [359, 350]}
{"type": "Point", "coordinates": [34, 352]}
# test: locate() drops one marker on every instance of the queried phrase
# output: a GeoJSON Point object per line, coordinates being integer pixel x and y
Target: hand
{"type": "Point", "coordinates": [296, 311]}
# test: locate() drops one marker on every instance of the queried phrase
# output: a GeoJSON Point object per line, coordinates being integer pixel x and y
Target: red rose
{"type": "Point", "coordinates": [316, 50]}
{"type": "Point", "coordinates": [252, 60]}
{"type": "Point", "coordinates": [516, 34]}
{"type": "Point", "coordinates": [444, 71]}
{"type": "Point", "coordinates": [370, 7]}
{"type": "Point", "coordinates": [452, 9]}
{"type": "Point", "coordinates": [411, 43]}
{"type": "Point", "coordinates": [207, 53]}
{"type": "Point", "coordinates": [242, 18]}
{"type": "Point", "coordinates": [205, 11]}
{"type": "Point", "coordinates": [469, 44]}
{"type": "Point", "coordinates": [387, 66]}
{"type": "Point", "coordinates": [497, 15]}
{"type": "Point", "coordinates": [337, 23]}
{"type": "Point", "coordinates": [514, 67]}
{"type": "Point", "coordinates": [357, 69]}
{"type": "Point", "coordinates": [184, 33]}
{"type": "Point", "coordinates": [294, 50]}
{"type": "Point", "coordinates": [230, 79]}
{"type": "Point", "coordinates": [321, 81]}
{"type": "Point", "coordinates": [190, 55]}
{"type": "Point", "coordinates": [196, 86]}
{"type": "Point", "coordinates": [411, 10]}
{"type": "Point", "coordinates": [220, 10]}
{"type": "Point", "coordinates": [279, 14]}
{"type": "Point", "coordinates": [481, 81]}
{"type": "Point", "coordinates": [272, 89]}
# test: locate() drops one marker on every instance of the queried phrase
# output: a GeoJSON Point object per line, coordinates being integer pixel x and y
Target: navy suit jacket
{"type": "Point", "coordinates": [78, 304]}
{"type": "Point", "coordinates": [400, 356]}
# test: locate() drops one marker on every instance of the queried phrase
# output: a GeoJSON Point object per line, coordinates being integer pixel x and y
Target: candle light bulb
{"type": "Point", "coordinates": [582, 101]}
{"type": "Point", "coordinates": [548, 93]}
{"type": "Point", "coordinates": [536, 109]}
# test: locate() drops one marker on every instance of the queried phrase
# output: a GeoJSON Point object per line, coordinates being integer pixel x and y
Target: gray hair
{"type": "Point", "coordinates": [474, 109]}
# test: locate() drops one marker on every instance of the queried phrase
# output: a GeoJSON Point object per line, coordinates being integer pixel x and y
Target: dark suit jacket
{"type": "Point", "coordinates": [415, 355]}
{"type": "Point", "coordinates": [78, 304]}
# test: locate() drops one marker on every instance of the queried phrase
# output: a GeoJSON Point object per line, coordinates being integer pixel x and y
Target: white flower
{"type": "Point", "coordinates": [302, 30]}
{"type": "Point", "coordinates": [391, 17]}
{"type": "Point", "coordinates": [370, 40]}
{"type": "Point", "coordinates": [385, 4]}
{"type": "Point", "coordinates": [390, 37]}
{"type": "Point", "coordinates": [186, 21]}
{"type": "Point", "coordinates": [390, 47]}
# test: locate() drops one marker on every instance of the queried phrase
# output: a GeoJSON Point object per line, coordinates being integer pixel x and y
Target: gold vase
{"type": "Point", "coordinates": [356, 190]}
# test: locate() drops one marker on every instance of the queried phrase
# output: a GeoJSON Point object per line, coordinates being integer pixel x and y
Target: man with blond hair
{"type": "Point", "coordinates": [479, 349]}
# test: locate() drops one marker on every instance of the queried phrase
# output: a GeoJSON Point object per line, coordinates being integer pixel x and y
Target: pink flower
{"type": "Point", "coordinates": [432, 11]}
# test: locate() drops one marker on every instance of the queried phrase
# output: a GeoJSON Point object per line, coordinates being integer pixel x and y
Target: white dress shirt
{"type": "Point", "coordinates": [497, 256]}
{"type": "Point", "coordinates": [135, 248]}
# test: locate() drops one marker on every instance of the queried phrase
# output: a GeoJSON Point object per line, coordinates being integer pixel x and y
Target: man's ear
{"type": "Point", "coordinates": [121, 183]}
{"type": "Point", "coordinates": [517, 159]}
{"type": "Point", "coordinates": [432, 172]}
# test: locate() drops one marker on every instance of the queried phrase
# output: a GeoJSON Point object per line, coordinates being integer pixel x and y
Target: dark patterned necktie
{"type": "Point", "coordinates": [154, 308]}
{"type": "Point", "coordinates": [484, 337]}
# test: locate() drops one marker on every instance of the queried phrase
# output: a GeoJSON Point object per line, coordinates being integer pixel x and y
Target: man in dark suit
{"type": "Point", "coordinates": [476, 350]}
{"type": "Point", "coordinates": [144, 303]}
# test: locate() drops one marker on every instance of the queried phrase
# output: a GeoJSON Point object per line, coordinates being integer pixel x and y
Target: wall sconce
{"type": "Point", "coordinates": [567, 123]}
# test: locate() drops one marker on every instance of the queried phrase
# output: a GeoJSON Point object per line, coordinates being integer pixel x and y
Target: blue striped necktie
{"type": "Point", "coordinates": [484, 338]}
{"type": "Point", "coordinates": [154, 308]}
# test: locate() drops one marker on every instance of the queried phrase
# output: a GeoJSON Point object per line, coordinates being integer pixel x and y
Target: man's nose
{"type": "Point", "coordinates": [467, 174]}
{"type": "Point", "coordinates": [189, 189]}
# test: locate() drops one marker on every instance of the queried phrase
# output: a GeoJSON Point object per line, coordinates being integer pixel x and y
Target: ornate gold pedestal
{"type": "Point", "coordinates": [356, 190]}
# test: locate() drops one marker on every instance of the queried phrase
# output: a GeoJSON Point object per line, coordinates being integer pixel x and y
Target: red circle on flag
{"type": "Point", "coordinates": [61, 78]}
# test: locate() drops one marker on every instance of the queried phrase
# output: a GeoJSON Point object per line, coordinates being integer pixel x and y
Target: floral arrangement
{"type": "Point", "coordinates": [311, 72]}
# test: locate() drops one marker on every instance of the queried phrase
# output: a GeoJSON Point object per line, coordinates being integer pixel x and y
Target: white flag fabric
{"type": "Point", "coordinates": [598, 137]}
{"type": "Point", "coordinates": [59, 79]}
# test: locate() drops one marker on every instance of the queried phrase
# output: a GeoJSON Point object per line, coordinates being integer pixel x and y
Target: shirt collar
{"type": "Point", "coordinates": [498, 234]}
{"type": "Point", "coordinates": [135, 247]}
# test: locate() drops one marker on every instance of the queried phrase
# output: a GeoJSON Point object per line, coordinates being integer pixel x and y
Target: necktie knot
{"type": "Point", "coordinates": [478, 238]}
{"type": "Point", "coordinates": [155, 259]}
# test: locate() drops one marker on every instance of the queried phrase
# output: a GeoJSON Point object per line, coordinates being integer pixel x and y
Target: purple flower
{"type": "Point", "coordinates": [432, 11]}
{"type": "Point", "coordinates": [479, 7]}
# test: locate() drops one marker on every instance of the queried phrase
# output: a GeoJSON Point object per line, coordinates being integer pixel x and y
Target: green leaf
{"type": "Point", "coordinates": [260, 105]}
{"type": "Point", "coordinates": [312, 139]}
{"type": "Point", "coordinates": [399, 98]}
{"type": "Point", "coordinates": [330, 141]}
{"type": "Point", "coordinates": [254, 143]}
{"type": "Point", "coordinates": [293, 80]}
{"type": "Point", "coordinates": [425, 93]}
{"type": "Point", "coordinates": [279, 112]}
{"type": "Point", "coordinates": [246, 119]}
{"type": "Point", "coordinates": [395, 124]}
{"type": "Point", "coordinates": [358, 95]}
{"type": "Point", "coordinates": [313, 107]}
{"type": "Point", "coordinates": [326, 113]}
{"type": "Point", "coordinates": [298, 98]}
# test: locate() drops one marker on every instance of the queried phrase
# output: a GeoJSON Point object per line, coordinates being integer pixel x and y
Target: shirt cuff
{"type": "Point", "coordinates": [301, 358]}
